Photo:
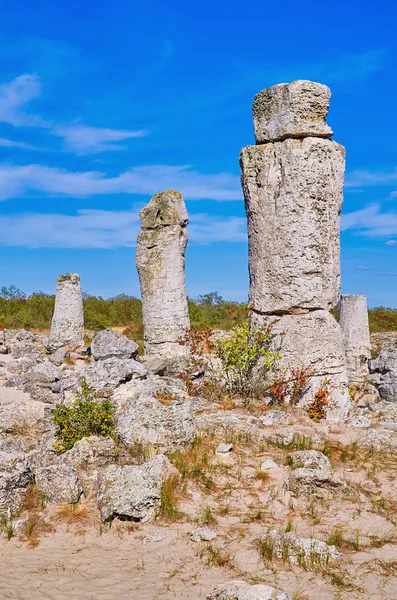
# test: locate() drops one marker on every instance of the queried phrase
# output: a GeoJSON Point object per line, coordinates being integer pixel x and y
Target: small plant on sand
{"type": "Point", "coordinates": [322, 401]}
{"type": "Point", "coordinates": [206, 516]}
{"type": "Point", "coordinates": [247, 358]}
{"type": "Point", "coordinates": [87, 416]}
{"type": "Point", "coordinates": [169, 504]}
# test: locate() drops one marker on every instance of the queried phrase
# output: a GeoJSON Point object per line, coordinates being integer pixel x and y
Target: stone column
{"type": "Point", "coordinates": [292, 181]}
{"type": "Point", "coordinates": [355, 328]}
{"type": "Point", "coordinates": [67, 328]}
{"type": "Point", "coordinates": [160, 260]}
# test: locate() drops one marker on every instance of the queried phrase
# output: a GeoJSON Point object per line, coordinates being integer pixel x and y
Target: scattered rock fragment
{"type": "Point", "coordinates": [224, 448]}
{"type": "Point", "coordinates": [203, 534]}
{"type": "Point", "coordinates": [109, 344]}
{"type": "Point", "coordinates": [300, 550]}
{"type": "Point", "coordinates": [239, 590]}
{"type": "Point", "coordinates": [309, 459]}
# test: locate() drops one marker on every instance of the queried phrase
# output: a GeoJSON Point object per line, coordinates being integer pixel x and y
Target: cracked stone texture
{"type": "Point", "coordinates": [355, 330]}
{"type": "Point", "coordinates": [291, 110]}
{"type": "Point", "coordinates": [160, 261]}
{"type": "Point", "coordinates": [293, 198]}
{"type": "Point", "coordinates": [313, 340]}
{"type": "Point", "coordinates": [385, 366]}
{"type": "Point", "coordinates": [67, 328]}
{"type": "Point", "coordinates": [240, 590]}
{"type": "Point", "coordinates": [15, 476]}
{"type": "Point", "coordinates": [109, 344]}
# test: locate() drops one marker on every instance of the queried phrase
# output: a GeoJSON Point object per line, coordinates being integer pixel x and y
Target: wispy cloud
{"type": "Point", "coordinates": [17, 181]}
{"type": "Point", "coordinates": [78, 137]}
{"type": "Point", "coordinates": [360, 178]}
{"type": "Point", "coordinates": [105, 229]}
{"type": "Point", "coordinates": [14, 97]}
{"type": "Point", "coordinates": [11, 144]}
{"type": "Point", "coordinates": [370, 222]}
{"type": "Point", "coordinates": [82, 139]}
{"type": "Point", "coordinates": [391, 243]}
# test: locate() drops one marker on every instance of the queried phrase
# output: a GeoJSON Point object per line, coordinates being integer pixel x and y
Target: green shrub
{"type": "Point", "coordinates": [247, 357]}
{"type": "Point", "coordinates": [87, 416]}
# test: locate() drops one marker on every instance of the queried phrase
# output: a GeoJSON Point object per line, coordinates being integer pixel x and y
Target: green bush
{"type": "Point", "coordinates": [87, 416]}
{"type": "Point", "coordinates": [246, 358]}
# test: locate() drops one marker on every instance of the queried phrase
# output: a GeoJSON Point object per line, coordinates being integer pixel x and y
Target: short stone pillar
{"type": "Point", "coordinates": [292, 181]}
{"type": "Point", "coordinates": [67, 328]}
{"type": "Point", "coordinates": [160, 261]}
{"type": "Point", "coordinates": [355, 329]}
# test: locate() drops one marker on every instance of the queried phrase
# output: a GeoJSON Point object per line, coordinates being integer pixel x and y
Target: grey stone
{"type": "Point", "coordinates": [203, 534]}
{"type": "Point", "coordinates": [133, 491]}
{"type": "Point", "coordinates": [359, 422]}
{"type": "Point", "coordinates": [156, 535]}
{"type": "Point", "coordinates": [315, 483]}
{"type": "Point", "coordinates": [309, 459]}
{"type": "Point", "coordinates": [109, 344]}
{"type": "Point", "coordinates": [224, 448]}
{"type": "Point", "coordinates": [385, 366]}
{"type": "Point", "coordinates": [291, 110]}
{"type": "Point", "coordinates": [15, 476]}
{"type": "Point", "coordinates": [240, 590]}
{"type": "Point", "coordinates": [58, 481]}
{"type": "Point", "coordinates": [293, 198]}
{"type": "Point", "coordinates": [268, 465]}
{"type": "Point", "coordinates": [314, 341]}
{"type": "Point", "coordinates": [88, 456]}
{"type": "Point", "coordinates": [59, 356]}
{"type": "Point", "coordinates": [355, 330]}
{"type": "Point", "coordinates": [155, 364]}
{"type": "Point", "coordinates": [67, 328]}
{"type": "Point", "coordinates": [160, 260]}
{"type": "Point", "coordinates": [147, 420]}
{"type": "Point", "coordinates": [276, 417]}
{"type": "Point", "coordinates": [106, 374]}
{"type": "Point", "coordinates": [300, 550]}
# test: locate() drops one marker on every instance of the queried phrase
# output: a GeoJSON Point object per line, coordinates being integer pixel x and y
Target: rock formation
{"type": "Point", "coordinates": [160, 260]}
{"type": "Point", "coordinates": [293, 182]}
{"type": "Point", "coordinates": [355, 329]}
{"type": "Point", "coordinates": [67, 327]}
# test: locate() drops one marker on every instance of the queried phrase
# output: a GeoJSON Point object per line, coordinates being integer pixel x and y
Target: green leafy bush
{"type": "Point", "coordinates": [247, 357]}
{"type": "Point", "coordinates": [87, 416]}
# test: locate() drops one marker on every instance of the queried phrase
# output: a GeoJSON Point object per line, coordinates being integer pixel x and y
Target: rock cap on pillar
{"type": "Point", "coordinates": [291, 110]}
{"type": "Point", "coordinates": [164, 208]}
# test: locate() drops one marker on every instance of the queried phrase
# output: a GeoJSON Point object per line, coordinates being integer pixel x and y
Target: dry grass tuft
{"type": "Point", "coordinates": [72, 514]}
{"type": "Point", "coordinates": [164, 397]}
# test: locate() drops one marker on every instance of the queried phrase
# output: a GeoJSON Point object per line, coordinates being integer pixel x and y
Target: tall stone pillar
{"type": "Point", "coordinates": [67, 328]}
{"type": "Point", "coordinates": [160, 261]}
{"type": "Point", "coordinates": [292, 181]}
{"type": "Point", "coordinates": [355, 328]}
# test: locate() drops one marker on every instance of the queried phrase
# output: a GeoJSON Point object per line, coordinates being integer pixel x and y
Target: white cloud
{"type": "Point", "coordinates": [369, 178]}
{"type": "Point", "coordinates": [105, 229]}
{"type": "Point", "coordinates": [370, 222]}
{"type": "Point", "coordinates": [14, 96]}
{"type": "Point", "coordinates": [16, 181]}
{"type": "Point", "coordinates": [11, 144]}
{"type": "Point", "coordinates": [82, 139]}
{"type": "Point", "coordinates": [391, 243]}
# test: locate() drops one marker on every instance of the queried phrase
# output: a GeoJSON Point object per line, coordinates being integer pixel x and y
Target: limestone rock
{"type": "Point", "coordinates": [316, 483]}
{"type": "Point", "coordinates": [149, 421]}
{"type": "Point", "coordinates": [203, 534]}
{"type": "Point", "coordinates": [160, 260]}
{"type": "Point", "coordinates": [15, 476]}
{"type": "Point", "coordinates": [67, 327]}
{"type": "Point", "coordinates": [224, 448]}
{"type": "Point", "coordinates": [386, 367]}
{"type": "Point", "coordinates": [300, 550]}
{"type": "Point", "coordinates": [276, 417]}
{"type": "Point", "coordinates": [291, 110]}
{"type": "Point", "coordinates": [293, 198]}
{"type": "Point", "coordinates": [89, 455]}
{"type": "Point", "coordinates": [359, 422]}
{"type": "Point", "coordinates": [313, 340]}
{"type": "Point", "coordinates": [133, 491]}
{"type": "Point", "coordinates": [239, 590]}
{"type": "Point", "coordinates": [59, 356]}
{"type": "Point", "coordinates": [355, 329]}
{"type": "Point", "coordinates": [106, 374]}
{"type": "Point", "coordinates": [109, 344]}
{"type": "Point", "coordinates": [309, 459]}
{"type": "Point", "coordinates": [269, 464]}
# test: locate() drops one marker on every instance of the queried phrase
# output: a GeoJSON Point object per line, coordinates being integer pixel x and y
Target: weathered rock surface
{"type": "Point", "coordinates": [67, 327]}
{"type": "Point", "coordinates": [15, 476]}
{"type": "Point", "coordinates": [149, 421]}
{"type": "Point", "coordinates": [203, 534]}
{"type": "Point", "coordinates": [355, 330]}
{"type": "Point", "coordinates": [88, 456]}
{"type": "Point", "coordinates": [106, 374]}
{"type": "Point", "coordinates": [276, 417]}
{"type": "Point", "coordinates": [39, 378]}
{"type": "Point", "coordinates": [309, 459]}
{"type": "Point", "coordinates": [300, 550]}
{"type": "Point", "coordinates": [291, 110]}
{"type": "Point", "coordinates": [239, 590]}
{"type": "Point", "coordinates": [385, 367]}
{"type": "Point", "coordinates": [58, 482]}
{"type": "Point", "coordinates": [313, 341]}
{"type": "Point", "coordinates": [315, 483]}
{"type": "Point", "coordinates": [293, 198]}
{"type": "Point", "coordinates": [109, 344]}
{"type": "Point", "coordinates": [133, 491]}
{"type": "Point", "coordinates": [160, 260]}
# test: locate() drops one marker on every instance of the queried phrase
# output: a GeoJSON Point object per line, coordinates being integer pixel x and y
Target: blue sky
{"type": "Point", "coordinates": [103, 104]}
